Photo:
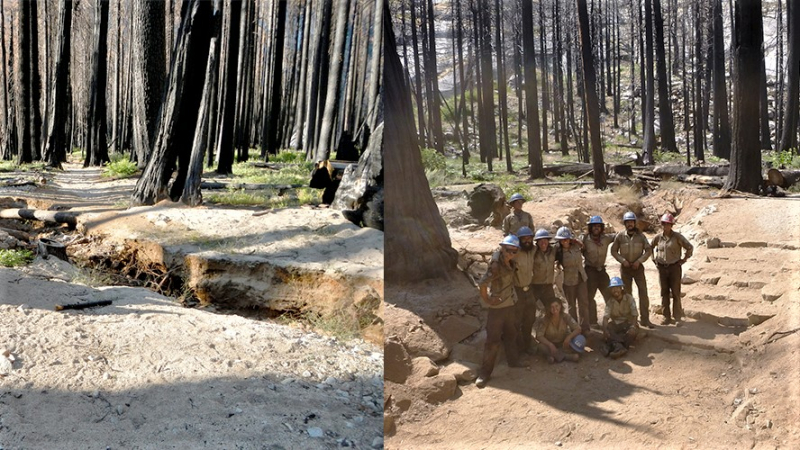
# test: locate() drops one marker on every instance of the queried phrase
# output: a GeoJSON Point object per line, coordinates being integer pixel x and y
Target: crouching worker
{"type": "Point", "coordinates": [555, 334]}
{"type": "Point", "coordinates": [497, 293]}
{"type": "Point", "coordinates": [620, 327]}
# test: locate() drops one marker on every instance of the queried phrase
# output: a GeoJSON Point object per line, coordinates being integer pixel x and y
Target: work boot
{"type": "Point", "coordinates": [666, 321]}
{"type": "Point", "coordinates": [480, 382]}
{"type": "Point", "coordinates": [619, 350]}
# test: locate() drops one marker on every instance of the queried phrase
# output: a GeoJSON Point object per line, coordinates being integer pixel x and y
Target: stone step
{"type": "Point", "coordinates": [699, 335]}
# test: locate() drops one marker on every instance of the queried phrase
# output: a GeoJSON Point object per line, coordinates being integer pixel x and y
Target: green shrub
{"type": "Point", "coordinates": [288, 156]}
{"type": "Point", "coordinates": [119, 167]}
{"type": "Point", "coordinates": [15, 257]}
{"type": "Point", "coordinates": [785, 159]}
{"type": "Point", "coordinates": [433, 160]}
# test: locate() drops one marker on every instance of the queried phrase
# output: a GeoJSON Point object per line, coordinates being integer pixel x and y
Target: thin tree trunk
{"type": "Point", "coordinates": [649, 118]}
{"type": "Point", "coordinates": [331, 99]}
{"type": "Point", "coordinates": [269, 137]}
{"type": "Point", "coordinates": [722, 128]}
{"type": "Point", "coordinates": [531, 96]}
{"type": "Point", "coordinates": [148, 69]}
{"type": "Point", "coordinates": [664, 85]}
{"type": "Point", "coordinates": [56, 140]}
{"type": "Point", "coordinates": [592, 102]}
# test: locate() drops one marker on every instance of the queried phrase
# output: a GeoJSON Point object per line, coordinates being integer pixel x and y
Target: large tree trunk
{"type": "Point", "coordinates": [432, 73]}
{"type": "Point", "coordinates": [649, 118]}
{"type": "Point", "coordinates": [531, 95]}
{"type": "Point", "coordinates": [36, 86]}
{"type": "Point", "coordinates": [487, 129]}
{"type": "Point", "coordinates": [148, 75]}
{"type": "Point", "coordinates": [416, 236]}
{"type": "Point", "coordinates": [664, 84]}
{"type": "Point", "coordinates": [227, 107]}
{"type": "Point", "coordinates": [22, 83]}
{"type": "Point", "coordinates": [592, 103]}
{"type": "Point", "coordinates": [180, 109]}
{"type": "Point", "coordinates": [56, 139]}
{"type": "Point", "coordinates": [745, 172]}
{"type": "Point", "coordinates": [269, 136]}
{"type": "Point", "coordinates": [97, 143]}
{"type": "Point", "coordinates": [722, 126]}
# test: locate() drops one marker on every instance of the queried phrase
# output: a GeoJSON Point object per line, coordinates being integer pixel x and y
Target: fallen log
{"type": "Point", "coordinates": [21, 235]}
{"type": "Point", "coordinates": [702, 180]}
{"type": "Point", "coordinates": [569, 183]}
{"type": "Point", "coordinates": [782, 178]}
{"type": "Point", "coordinates": [580, 169]}
{"type": "Point", "coordinates": [83, 305]}
{"type": "Point", "coordinates": [36, 214]}
{"type": "Point", "coordinates": [210, 185]}
{"type": "Point", "coordinates": [675, 170]}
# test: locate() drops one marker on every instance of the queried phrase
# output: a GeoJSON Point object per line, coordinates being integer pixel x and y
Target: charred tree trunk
{"type": "Point", "coordinates": [148, 75]}
{"type": "Point", "coordinates": [745, 171]}
{"type": "Point", "coordinates": [416, 235]}
{"type": "Point", "coordinates": [180, 109]}
{"type": "Point", "coordinates": [592, 102]}
{"type": "Point", "coordinates": [269, 136]}
{"type": "Point", "coordinates": [56, 141]}
{"type": "Point", "coordinates": [96, 142]}
{"type": "Point", "coordinates": [722, 127]}
{"type": "Point", "coordinates": [531, 95]}
{"type": "Point", "coordinates": [649, 118]}
{"type": "Point", "coordinates": [664, 101]}
{"type": "Point", "coordinates": [487, 129]}
{"type": "Point", "coordinates": [228, 95]}
{"type": "Point", "coordinates": [36, 86]}
{"type": "Point", "coordinates": [22, 83]}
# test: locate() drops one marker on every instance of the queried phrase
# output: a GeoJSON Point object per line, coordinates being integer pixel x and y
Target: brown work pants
{"type": "Point", "coordinates": [526, 316]}
{"type": "Point", "coordinates": [621, 333]}
{"type": "Point", "coordinates": [544, 293]}
{"type": "Point", "coordinates": [501, 326]}
{"type": "Point", "coordinates": [578, 292]}
{"type": "Point", "coordinates": [669, 276]}
{"type": "Point", "coordinates": [628, 275]}
{"type": "Point", "coordinates": [597, 280]}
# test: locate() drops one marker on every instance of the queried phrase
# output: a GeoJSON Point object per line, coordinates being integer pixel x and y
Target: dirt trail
{"type": "Point", "coordinates": [725, 378]}
{"type": "Point", "coordinates": [146, 372]}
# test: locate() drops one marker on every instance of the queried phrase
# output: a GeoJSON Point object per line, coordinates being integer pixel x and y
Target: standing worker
{"type": "Point", "coordinates": [526, 302]}
{"type": "Point", "coordinates": [595, 249]}
{"type": "Point", "coordinates": [632, 249]}
{"type": "Point", "coordinates": [544, 270]}
{"type": "Point", "coordinates": [517, 218]}
{"type": "Point", "coordinates": [497, 293]}
{"type": "Point", "coordinates": [568, 254]}
{"type": "Point", "coordinates": [668, 247]}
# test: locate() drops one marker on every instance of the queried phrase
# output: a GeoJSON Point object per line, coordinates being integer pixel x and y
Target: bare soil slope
{"type": "Point", "coordinates": [725, 378]}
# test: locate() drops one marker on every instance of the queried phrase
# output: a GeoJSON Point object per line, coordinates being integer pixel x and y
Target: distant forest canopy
{"type": "Point", "coordinates": [124, 76]}
{"type": "Point", "coordinates": [665, 74]}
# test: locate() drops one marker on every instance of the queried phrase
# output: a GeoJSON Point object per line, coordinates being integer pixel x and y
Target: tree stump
{"type": "Point", "coordinates": [48, 247]}
{"type": "Point", "coordinates": [487, 204]}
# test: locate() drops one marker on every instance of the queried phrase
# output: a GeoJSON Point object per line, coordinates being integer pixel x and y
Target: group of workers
{"type": "Point", "coordinates": [521, 275]}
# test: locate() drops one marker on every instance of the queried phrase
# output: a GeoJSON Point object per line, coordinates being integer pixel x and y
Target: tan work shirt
{"type": "Point", "coordinates": [621, 311]}
{"type": "Point", "coordinates": [572, 263]}
{"type": "Point", "coordinates": [668, 250]}
{"type": "Point", "coordinates": [500, 280]}
{"type": "Point", "coordinates": [631, 248]}
{"type": "Point", "coordinates": [544, 270]}
{"type": "Point", "coordinates": [556, 333]}
{"type": "Point", "coordinates": [513, 222]}
{"type": "Point", "coordinates": [524, 273]}
{"type": "Point", "coordinates": [594, 252]}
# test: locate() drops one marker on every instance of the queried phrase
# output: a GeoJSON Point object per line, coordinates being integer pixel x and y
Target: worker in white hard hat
{"type": "Point", "coordinates": [668, 247]}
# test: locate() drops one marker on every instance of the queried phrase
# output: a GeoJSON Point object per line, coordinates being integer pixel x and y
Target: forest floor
{"type": "Point", "coordinates": [725, 377]}
{"type": "Point", "coordinates": [148, 372]}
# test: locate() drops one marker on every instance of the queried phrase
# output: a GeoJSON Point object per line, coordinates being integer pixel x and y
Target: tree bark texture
{"type": "Point", "coordinates": [531, 95]}
{"type": "Point", "coordinates": [148, 74]}
{"type": "Point", "coordinates": [56, 138]}
{"type": "Point", "coordinates": [97, 142]}
{"type": "Point", "coordinates": [589, 86]}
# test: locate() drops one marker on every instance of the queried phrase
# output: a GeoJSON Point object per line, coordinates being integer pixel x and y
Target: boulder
{"type": "Point", "coordinates": [436, 389]}
{"type": "Point", "coordinates": [772, 292]}
{"type": "Point", "coordinates": [488, 201]}
{"type": "Point", "coordinates": [713, 243]}
{"type": "Point", "coordinates": [397, 365]}
{"type": "Point", "coordinates": [423, 367]}
{"type": "Point", "coordinates": [463, 372]}
{"type": "Point", "coordinates": [455, 329]}
{"type": "Point", "coordinates": [415, 334]}
{"type": "Point", "coordinates": [389, 428]}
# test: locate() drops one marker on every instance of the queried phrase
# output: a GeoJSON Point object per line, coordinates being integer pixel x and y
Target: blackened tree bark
{"type": "Point", "coordinates": [5, 141]}
{"type": "Point", "coordinates": [502, 89]}
{"type": "Point", "coordinates": [590, 93]}
{"type": "Point", "coordinates": [56, 139]}
{"type": "Point", "coordinates": [22, 84]}
{"type": "Point", "coordinates": [148, 75]}
{"type": "Point", "coordinates": [792, 98]}
{"type": "Point", "coordinates": [531, 95]}
{"type": "Point", "coordinates": [649, 144]}
{"type": "Point", "coordinates": [36, 85]}
{"type": "Point", "coordinates": [269, 136]}
{"type": "Point", "coordinates": [179, 111]}
{"type": "Point", "coordinates": [766, 140]}
{"type": "Point", "coordinates": [417, 71]}
{"type": "Point", "coordinates": [97, 142]}
{"type": "Point", "coordinates": [545, 93]}
{"type": "Point", "coordinates": [487, 129]}
{"type": "Point", "coordinates": [664, 101]}
{"type": "Point", "coordinates": [332, 97]}
{"type": "Point", "coordinates": [416, 236]}
{"type": "Point", "coordinates": [745, 171]}
{"type": "Point", "coordinates": [432, 73]}
{"type": "Point", "coordinates": [697, 68]}
{"type": "Point", "coordinates": [224, 148]}
{"type": "Point", "coordinates": [722, 127]}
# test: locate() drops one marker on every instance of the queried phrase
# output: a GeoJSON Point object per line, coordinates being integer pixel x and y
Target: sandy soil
{"type": "Point", "coordinates": [148, 373]}
{"type": "Point", "coordinates": [725, 378]}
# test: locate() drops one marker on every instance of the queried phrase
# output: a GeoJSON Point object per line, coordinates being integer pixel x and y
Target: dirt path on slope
{"type": "Point", "coordinates": [724, 378]}
{"type": "Point", "coordinates": [146, 372]}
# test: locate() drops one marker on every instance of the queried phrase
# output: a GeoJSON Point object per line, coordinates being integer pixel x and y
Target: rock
{"type": "Point", "coordinates": [757, 319]}
{"type": "Point", "coordinates": [417, 337]}
{"type": "Point", "coordinates": [315, 432]}
{"type": "Point", "coordinates": [711, 280]}
{"type": "Point", "coordinates": [403, 404]}
{"type": "Point", "coordinates": [436, 389]}
{"type": "Point", "coordinates": [461, 312]}
{"type": "Point", "coordinates": [726, 244]}
{"type": "Point", "coordinates": [488, 201]}
{"type": "Point", "coordinates": [455, 329]}
{"type": "Point", "coordinates": [772, 292]}
{"type": "Point", "coordinates": [397, 362]}
{"type": "Point", "coordinates": [389, 427]}
{"type": "Point", "coordinates": [377, 442]}
{"type": "Point", "coordinates": [463, 372]}
{"type": "Point", "coordinates": [751, 244]}
{"type": "Point", "coordinates": [688, 280]}
{"type": "Point", "coordinates": [713, 243]}
{"type": "Point", "coordinates": [422, 367]}
{"type": "Point", "coordinates": [756, 284]}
